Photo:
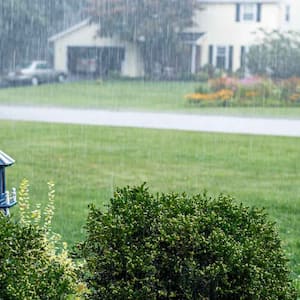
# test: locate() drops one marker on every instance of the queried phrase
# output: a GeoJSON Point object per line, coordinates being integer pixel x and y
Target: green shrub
{"type": "Point", "coordinates": [30, 265]}
{"type": "Point", "coordinates": [170, 246]}
{"type": "Point", "coordinates": [203, 89]}
{"type": "Point", "coordinates": [209, 69]}
{"type": "Point", "coordinates": [26, 270]}
{"type": "Point", "coordinates": [202, 76]}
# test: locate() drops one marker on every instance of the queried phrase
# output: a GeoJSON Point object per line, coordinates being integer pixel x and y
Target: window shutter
{"type": "Point", "coordinates": [258, 12]}
{"type": "Point", "coordinates": [230, 58]}
{"type": "Point", "coordinates": [237, 12]}
{"type": "Point", "coordinates": [210, 54]}
{"type": "Point", "coordinates": [243, 56]}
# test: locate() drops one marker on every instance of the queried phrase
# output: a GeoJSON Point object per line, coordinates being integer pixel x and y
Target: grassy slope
{"type": "Point", "coordinates": [87, 163]}
{"type": "Point", "coordinates": [136, 95]}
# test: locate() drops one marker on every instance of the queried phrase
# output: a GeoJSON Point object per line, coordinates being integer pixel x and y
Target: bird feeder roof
{"type": "Point", "coordinates": [5, 160]}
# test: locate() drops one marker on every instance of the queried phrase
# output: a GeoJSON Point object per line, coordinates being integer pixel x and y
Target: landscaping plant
{"type": "Point", "coordinates": [253, 91]}
{"type": "Point", "coordinates": [30, 265]}
{"type": "Point", "coordinates": [175, 246]}
{"type": "Point", "coordinates": [276, 54]}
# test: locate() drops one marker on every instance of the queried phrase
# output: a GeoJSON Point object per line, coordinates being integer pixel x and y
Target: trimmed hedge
{"type": "Point", "coordinates": [171, 246]}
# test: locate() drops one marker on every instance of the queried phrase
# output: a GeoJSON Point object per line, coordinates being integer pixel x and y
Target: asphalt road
{"type": "Point", "coordinates": [188, 122]}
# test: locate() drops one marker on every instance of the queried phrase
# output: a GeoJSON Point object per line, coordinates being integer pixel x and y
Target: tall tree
{"type": "Point", "coordinates": [278, 55]}
{"type": "Point", "coordinates": [25, 26]}
{"type": "Point", "coordinates": [153, 24]}
{"type": "Point", "coordinates": [17, 24]}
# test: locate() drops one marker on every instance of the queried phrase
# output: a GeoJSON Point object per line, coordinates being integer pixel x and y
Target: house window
{"type": "Point", "coordinates": [221, 57]}
{"type": "Point", "coordinates": [249, 12]}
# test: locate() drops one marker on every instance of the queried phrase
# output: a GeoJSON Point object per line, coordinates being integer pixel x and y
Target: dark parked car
{"type": "Point", "coordinates": [35, 73]}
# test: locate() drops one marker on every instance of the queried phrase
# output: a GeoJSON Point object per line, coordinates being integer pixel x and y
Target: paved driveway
{"type": "Point", "coordinates": [225, 124]}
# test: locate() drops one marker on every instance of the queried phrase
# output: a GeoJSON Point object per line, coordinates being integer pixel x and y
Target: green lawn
{"type": "Point", "coordinates": [87, 163]}
{"type": "Point", "coordinates": [129, 95]}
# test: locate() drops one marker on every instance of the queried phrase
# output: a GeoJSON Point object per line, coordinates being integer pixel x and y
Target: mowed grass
{"type": "Point", "coordinates": [103, 94]}
{"type": "Point", "coordinates": [87, 163]}
{"type": "Point", "coordinates": [129, 95]}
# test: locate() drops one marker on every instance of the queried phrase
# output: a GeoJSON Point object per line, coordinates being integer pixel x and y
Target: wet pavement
{"type": "Point", "coordinates": [188, 122]}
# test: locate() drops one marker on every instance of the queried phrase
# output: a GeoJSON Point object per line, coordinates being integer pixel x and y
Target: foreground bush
{"type": "Point", "coordinates": [27, 271]}
{"type": "Point", "coordinates": [30, 265]}
{"type": "Point", "coordinates": [171, 246]}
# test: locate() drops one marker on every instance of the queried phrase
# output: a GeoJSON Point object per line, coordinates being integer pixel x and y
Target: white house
{"type": "Point", "coordinates": [80, 49]}
{"type": "Point", "coordinates": [229, 27]}
{"type": "Point", "coordinates": [223, 31]}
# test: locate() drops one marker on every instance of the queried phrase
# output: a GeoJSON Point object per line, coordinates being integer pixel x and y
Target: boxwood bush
{"type": "Point", "coordinates": [175, 246]}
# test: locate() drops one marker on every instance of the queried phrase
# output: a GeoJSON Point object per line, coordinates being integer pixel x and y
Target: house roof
{"type": "Point", "coordinates": [61, 34]}
{"type": "Point", "coordinates": [190, 37]}
{"type": "Point", "coordinates": [5, 160]}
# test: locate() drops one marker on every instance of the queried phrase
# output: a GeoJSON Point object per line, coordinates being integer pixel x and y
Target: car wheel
{"type": "Point", "coordinates": [35, 81]}
{"type": "Point", "coordinates": [61, 78]}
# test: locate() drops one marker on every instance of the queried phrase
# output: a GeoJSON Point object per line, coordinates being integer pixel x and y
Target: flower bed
{"type": "Point", "coordinates": [252, 91]}
{"type": "Point", "coordinates": [223, 95]}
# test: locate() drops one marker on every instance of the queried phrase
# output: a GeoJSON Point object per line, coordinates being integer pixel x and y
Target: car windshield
{"type": "Point", "coordinates": [23, 65]}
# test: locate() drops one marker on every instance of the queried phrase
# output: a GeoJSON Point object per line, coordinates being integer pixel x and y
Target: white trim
{"type": "Point", "coordinates": [69, 30]}
{"type": "Point", "coordinates": [193, 62]}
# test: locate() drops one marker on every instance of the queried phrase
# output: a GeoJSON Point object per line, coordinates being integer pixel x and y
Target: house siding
{"type": "Point", "coordinates": [219, 21]}
{"type": "Point", "coordinates": [87, 36]}
{"type": "Point", "coordinates": [294, 18]}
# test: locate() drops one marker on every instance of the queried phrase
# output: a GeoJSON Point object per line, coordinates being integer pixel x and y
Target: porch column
{"type": "Point", "coordinates": [193, 59]}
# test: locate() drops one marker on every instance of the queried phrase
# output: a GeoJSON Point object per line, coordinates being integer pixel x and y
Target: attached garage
{"type": "Point", "coordinates": [80, 50]}
{"type": "Point", "coordinates": [95, 60]}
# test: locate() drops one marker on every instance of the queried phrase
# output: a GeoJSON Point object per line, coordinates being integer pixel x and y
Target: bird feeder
{"type": "Point", "coordinates": [7, 200]}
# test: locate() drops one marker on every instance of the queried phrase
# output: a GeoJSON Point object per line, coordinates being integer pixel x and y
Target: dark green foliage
{"type": "Point", "coordinates": [170, 246]}
{"type": "Point", "coordinates": [27, 268]}
{"type": "Point", "coordinates": [203, 89]}
{"type": "Point", "coordinates": [153, 24]}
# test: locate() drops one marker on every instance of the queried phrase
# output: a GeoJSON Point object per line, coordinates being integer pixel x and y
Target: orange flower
{"type": "Point", "coordinates": [251, 94]}
{"type": "Point", "coordinates": [295, 97]}
{"type": "Point", "coordinates": [223, 94]}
